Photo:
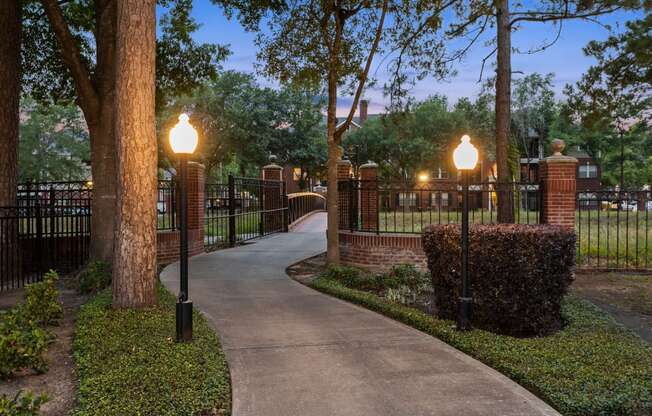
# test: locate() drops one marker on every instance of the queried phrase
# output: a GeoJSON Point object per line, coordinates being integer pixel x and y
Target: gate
{"type": "Point", "coordinates": [243, 209]}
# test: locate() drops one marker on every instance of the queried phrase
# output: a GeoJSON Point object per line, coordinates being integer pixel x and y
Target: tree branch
{"type": "Point", "coordinates": [363, 77]}
{"type": "Point", "coordinates": [88, 98]}
{"type": "Point", "coordinates": [547, 17]}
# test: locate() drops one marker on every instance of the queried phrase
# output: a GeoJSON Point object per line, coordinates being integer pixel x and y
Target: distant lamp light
{"type": "Point", "coordinates": [465, 155]}
{"type": "Point", "coordinates": [89, 184]}
{"type": "Point", "coordinates": [423, 177]}
{"type": "Point", "coordinates": [183, 136]}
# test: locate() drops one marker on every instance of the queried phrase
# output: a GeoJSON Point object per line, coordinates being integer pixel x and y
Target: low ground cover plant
{"type": "Point", "coordinates": [24, 337]}
{"type": "Point", "coordinates": [22, 404]}
{"type": "Point", "coordinates": [591, 367]}
{"type": "Point", "coordinates": [128, 362]}
{"type": "Point", "coordinates": [519, 274]}
{"type": "Point", "coordinates": [42, 303]}
{"type": "Point", "coordinates": [95, 277]}
{"type": "Point", "coordinates": [22, 344]}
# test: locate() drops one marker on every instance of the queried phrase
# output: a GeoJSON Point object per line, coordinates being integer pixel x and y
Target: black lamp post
{"type": "Point", "coordinates": [183, 140]}
{"type": "Point", "coordinates": [465, 157]}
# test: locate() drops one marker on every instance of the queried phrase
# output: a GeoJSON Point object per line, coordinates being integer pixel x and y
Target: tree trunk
{"type": "Point", "coordinates": [95, 96]}
{"type": "Point", "coordinates": [103, 147]}
{"type": "Point", "coordinates": [334, 154]}
{"type": "Point", "coordinates": [10, 27]}
{"type": "Point", "coordinates": [134, 273]}
{"type": "Point", "coordinates": [503, 106]}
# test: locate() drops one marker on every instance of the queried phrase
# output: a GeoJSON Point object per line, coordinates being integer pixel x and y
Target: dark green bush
{"type": "Point", "coordinates": [21, 404]}
{"type": "Point", "coordinates": [42, 301]}
{"type": "Point", "coordinates": [519, 274]}
{"type": "Point", "coordinates": [22, 343]}
{"type": "Point", "coordinates": [95, 277]}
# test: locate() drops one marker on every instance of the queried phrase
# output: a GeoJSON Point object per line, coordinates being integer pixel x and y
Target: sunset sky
{"type": "Point", "coordinates": [565, 59]}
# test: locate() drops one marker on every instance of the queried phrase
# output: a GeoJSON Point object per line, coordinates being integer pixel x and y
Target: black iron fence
{"type": "Point", "coordinates": [35, 238]}
{"type": "Point", "coordinates": [50, 226]}
{"type": "Point", "coordinates": [301, 204]}
{"type": "Point", "coordinates": [243, 209]}
{"type": "Point", "coordinates": [614, 229]}
{"type": "Point", "coordinates": [166, 205]}
{"type": "Point", "coordinates": [396, 207]}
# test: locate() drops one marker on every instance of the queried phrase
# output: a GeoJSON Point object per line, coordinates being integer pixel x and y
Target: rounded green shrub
{"type": "Point", "coordinates": [42, 301]}
{"type": "Point", "coordinates": [22, 343]}
{"type": "Point", "coordinates": [95, 277]}
{"type": "Point", "coordinates": [519, 274]}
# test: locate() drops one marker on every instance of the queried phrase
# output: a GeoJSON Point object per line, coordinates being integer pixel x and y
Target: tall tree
{"type": "Point", "coordinates": [332, 44]}
{"type": "Point", "coordinates": [474, 18]}
{"type": "Point", "coordinates": [74, 57]}
{"type": "Point", "coordinates": [134, 271]}
{"type": "Point", "coordinates": [10, 33]}
{"type": "Point", "coordinates": [54, 143]}
{"type": "Point", "coordinates": [615, 94]}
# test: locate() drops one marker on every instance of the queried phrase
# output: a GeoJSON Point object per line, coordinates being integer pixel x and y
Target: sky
{"type": "Point", "coordinates": [565, 59]}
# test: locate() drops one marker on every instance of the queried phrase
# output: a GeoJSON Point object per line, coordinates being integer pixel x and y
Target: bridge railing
{"type": "Point", "coordinates": [301, 204]}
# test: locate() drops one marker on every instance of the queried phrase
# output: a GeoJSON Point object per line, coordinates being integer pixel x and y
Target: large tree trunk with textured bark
{"type": "Point", "coordinates": [95, 96]}
{"type": "Point", "coordinates": [334, 155]}
{"type": "Point", "coordinates": [10, 27]}
{"type": "Point", "coordinates": [503, 109]}
{"type": "Point", "coordinates": [103, 148]}
{"type": "Point", "coordinates": [134, 273]}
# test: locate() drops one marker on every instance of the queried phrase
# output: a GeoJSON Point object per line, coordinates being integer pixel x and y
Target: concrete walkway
{"type": "Point", "coordinates": [294, 351]}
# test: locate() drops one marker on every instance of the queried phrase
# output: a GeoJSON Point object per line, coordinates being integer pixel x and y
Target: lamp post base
{"type": "Point", "coordinates": [464, 314]}
{"type": "Point", "coordinates": [184, 321]}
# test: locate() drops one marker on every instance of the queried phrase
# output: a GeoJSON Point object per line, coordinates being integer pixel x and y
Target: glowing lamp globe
{"type": "Point", "coordinates": [423, 177]}
{"type": "Point", "coordinates": [183, 136]}
{"type": "Point", "coordinates": [465, 155]}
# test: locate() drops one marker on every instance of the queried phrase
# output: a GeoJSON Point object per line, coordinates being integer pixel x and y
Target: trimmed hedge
{"type": "Point", "coordinates": [592, 367]}
{"type": "Point", "coordinates": [128, 362]}
{"type": "Point", "coordinates": [519, 274]}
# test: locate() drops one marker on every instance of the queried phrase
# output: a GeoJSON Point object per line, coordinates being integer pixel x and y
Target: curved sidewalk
{"type": "Point", "coordinates": [294, 351]}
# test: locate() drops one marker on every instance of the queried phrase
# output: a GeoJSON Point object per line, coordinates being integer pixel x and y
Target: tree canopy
{"type": "Point", "coordinates": [242, 122]}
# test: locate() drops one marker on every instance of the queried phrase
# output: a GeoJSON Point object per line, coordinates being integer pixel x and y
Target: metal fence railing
{"type": "Point", "coordinates": [614, 229]}
{"type": "Point", "coordinates": [301, 204]}
{"type": "Point", "coordinates": [243, 209]}
{"type": "Point", "coordinates": [35, 238]}
{"type": "Point", "coordinates": [166, 205]}
{"type": "Point", "coordinates": [396, 207]}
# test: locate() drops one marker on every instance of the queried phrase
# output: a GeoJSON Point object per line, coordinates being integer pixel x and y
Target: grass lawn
{"type": "Point", "coordinates": [605, 238]}
{"type": "Point", "coordinates": [128, 363]}
{"type": "Point", "coordinates": [592, 367]}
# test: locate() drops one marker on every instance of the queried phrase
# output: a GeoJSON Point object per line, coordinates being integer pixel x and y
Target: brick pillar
{"type": "Point", "coordinates": [196, 183]}
{"type": "Point", "coordinates": [369, 196]}
{"type": "Point", "coordinates": [168, 241]}
{"type": "Point", "coordinates": [343, 196]}
{"type": "Point", "coordinates": [558, 183]}
{"type": "Point", "coordinates": [273, 196]}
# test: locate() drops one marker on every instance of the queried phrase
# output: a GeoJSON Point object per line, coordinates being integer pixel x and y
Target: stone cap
{"type": "Point", "coordinates": [272, 163]}
{"type": "Point", "coordinates": [272, 166]}
{"type": "Point", "coordinates": [369, 165]}
{"type": "Point", "coordinates": [344, 162]}
{"type": "Point", "coordinates": [558, 146]}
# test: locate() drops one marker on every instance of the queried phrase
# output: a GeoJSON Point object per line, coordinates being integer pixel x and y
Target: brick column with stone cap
{"type": "Point", "coordinates": [369, 196]}
{"type": "Point", "coordinates": [558, 185]}
{"type": "Point", "coordinates": [273, 196]}
{"type": "Point", "coordinates": [344, 195]}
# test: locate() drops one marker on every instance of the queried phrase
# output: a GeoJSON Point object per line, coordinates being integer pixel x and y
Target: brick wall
{"type": "Point", "coordinates": [380, 252]}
